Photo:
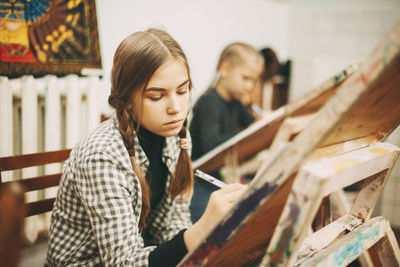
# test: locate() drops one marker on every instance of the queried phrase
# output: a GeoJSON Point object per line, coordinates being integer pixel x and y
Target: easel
{"type": "Point", "coordinates": [358, 117]}
{"type": "Point", "coordinates": [259, 135]}
{"type": "Point", "coordinates": [292, 126]}
{"type": "Point", "coordinates": [320, 178]}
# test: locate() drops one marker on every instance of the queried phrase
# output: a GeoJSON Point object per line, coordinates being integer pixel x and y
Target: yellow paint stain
{"type": "Point", "coordinates": [343, 163]}
{"type": "Point", "coordinates": [379, 150]}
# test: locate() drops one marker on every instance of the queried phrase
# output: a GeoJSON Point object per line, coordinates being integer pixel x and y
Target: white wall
{"type": "Point", "coordinates": [326, 36]}
{"type": "Point", "coordinates": [202, 27]}
{"type": "Point", "coordinates": [321, 37]}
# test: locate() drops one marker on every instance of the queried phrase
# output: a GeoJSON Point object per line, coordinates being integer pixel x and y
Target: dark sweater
{"type": "Point", "coordinates": [157, 172]}
{"type": "Point", "coordinates": [170, 253]}
{"type": "Point", "coordinates": [215, 121]}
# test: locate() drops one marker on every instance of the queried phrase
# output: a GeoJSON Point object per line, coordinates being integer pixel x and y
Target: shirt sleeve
{"type": "Point", "coordinates": [106, 192]}
{"type": "Point", "coordinates": [175, 217]}
{"type": "Point", "coordinates": [170, 253]}
{"type": "Point", "coordinates": [208, 119]}
{"type": "Point", "coordinates": [245, 117]}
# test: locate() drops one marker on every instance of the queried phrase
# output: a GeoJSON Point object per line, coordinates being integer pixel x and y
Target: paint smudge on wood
{"type": "Point", "coordinates": [222, 232]}
{"type": "Point", "coordinates": [283, 248]}
{"type": "Point", "coordinates": [356, 246]}
{"type": "Point", "coordinates": [343, 163]}
{"type": "Point", "coordinates": [379, 150]}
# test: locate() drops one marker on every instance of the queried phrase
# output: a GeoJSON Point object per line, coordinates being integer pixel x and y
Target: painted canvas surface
{"type": "Point", "coordinates": [42, 37]}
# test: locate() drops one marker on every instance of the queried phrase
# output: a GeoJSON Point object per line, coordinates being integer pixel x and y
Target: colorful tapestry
{"type": "Point", "coordinates": [48, 37]}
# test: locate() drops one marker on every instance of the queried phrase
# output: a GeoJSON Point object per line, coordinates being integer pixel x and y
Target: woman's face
{"type": "Point", "coordinates": [165, 101]}
{"type": "Point", "coordinates": [240, 80]}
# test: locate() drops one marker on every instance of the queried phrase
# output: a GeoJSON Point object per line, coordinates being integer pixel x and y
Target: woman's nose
{"type": "Point", "coordinates": [173, 105]}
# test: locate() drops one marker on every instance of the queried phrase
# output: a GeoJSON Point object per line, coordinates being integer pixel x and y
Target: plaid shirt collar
{"type": "Point", "coordinates": [168, 153]}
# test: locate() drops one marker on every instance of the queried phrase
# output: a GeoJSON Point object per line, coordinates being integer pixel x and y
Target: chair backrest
{"type": "Point", "coordinates": [38, 182]}
{"type": "Point", "coordinates": [11, 224]}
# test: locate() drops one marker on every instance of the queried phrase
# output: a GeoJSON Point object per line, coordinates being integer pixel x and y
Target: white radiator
{"type": "Point", "coordinates": [44, 114]}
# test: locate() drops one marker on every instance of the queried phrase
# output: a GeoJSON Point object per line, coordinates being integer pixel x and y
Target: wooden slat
{"type": "Point", "coordinates": [38, 207]}
{"type": "Point", "coordinates": [348, 247]}
{"type": "Point", "coordinates": [377, 113]}
{"type": "Point", "coordinates": [35, 159]}
{"type": "Point", "coordinates": [37, 183]}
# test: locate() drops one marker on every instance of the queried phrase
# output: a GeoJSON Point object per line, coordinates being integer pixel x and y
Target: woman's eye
{"type": "Point", "coordinates": [182, 91]}
{"type": "Point", "coordinates": [155, 97]}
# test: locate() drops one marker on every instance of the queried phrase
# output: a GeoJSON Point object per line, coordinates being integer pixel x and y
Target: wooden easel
{"type": "Point", "coordinates": [364, 110]}
{"type": "Point", "coordinates": [292, 126]}
{"type": "Point", "coordinates": [320, 178]}
{"type": "Point", "coordinates": [259, 135]}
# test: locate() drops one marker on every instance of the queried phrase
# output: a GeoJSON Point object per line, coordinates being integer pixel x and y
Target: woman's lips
{"type": "Point", "coordinates": [174, 124]}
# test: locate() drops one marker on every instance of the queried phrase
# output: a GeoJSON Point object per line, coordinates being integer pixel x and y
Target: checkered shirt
{"type": "Point", "coordinates": [96, 213]}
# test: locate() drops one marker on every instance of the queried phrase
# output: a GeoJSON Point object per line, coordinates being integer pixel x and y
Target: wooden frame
{"type": "Point", "coordinates": [323, 177]}
{"type": "Point", "coordinates": [375, 234]}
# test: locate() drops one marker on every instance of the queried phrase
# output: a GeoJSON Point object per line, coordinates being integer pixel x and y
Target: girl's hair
{"type": "Point", "coordinates": [136, 59]}
{"type": "Point", "coordinates": [271, 63]}
{"type": "Point", "coordinates": [236, 54]}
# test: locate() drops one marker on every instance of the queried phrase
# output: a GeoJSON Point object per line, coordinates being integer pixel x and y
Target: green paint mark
{"type": "Point", "coordinates": [389, 45]}
{"type": "Point", "coordinates": [356, 246]}
{"type": "Point", "coordinates": [282, 248]}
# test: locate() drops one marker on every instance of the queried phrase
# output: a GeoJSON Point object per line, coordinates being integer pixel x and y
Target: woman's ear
{"type": "Point", "coordinates": [223, 69]}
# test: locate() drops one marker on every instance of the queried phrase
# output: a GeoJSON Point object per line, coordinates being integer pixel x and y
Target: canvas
{"type": "Point", "coordinates": [40, 37]}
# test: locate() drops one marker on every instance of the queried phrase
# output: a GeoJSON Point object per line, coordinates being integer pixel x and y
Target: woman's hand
{"type": "Point", "coordinates": [220, 202]}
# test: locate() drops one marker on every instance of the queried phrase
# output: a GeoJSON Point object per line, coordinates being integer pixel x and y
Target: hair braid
{"type": "Point", "coordinates": [183, 178]}
{"type": "Point", "coordinates": [126, 129]}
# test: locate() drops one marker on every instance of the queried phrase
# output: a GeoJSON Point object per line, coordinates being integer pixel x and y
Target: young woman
{"type": "Point", "coordinates": [125, 192]}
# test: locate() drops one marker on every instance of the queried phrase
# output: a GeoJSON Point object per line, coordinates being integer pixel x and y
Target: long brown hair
{"type": "Point", "coordinates": [136, 59]}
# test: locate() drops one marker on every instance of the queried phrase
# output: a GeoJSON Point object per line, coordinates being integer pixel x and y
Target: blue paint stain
{"type": "Point", "coordinates": [222, 232]}
{"type": "Point", "coordinates": [243, 210]}
{"type": "Point", "coordinates": [355, 247]}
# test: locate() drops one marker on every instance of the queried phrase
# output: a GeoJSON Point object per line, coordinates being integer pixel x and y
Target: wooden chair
{"type": "Point", "coordinates": [34, 183]}
{"type": "Point", "coordinates": [12, 215]}
{"type": "Point", "coordinates": [13, 207]}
